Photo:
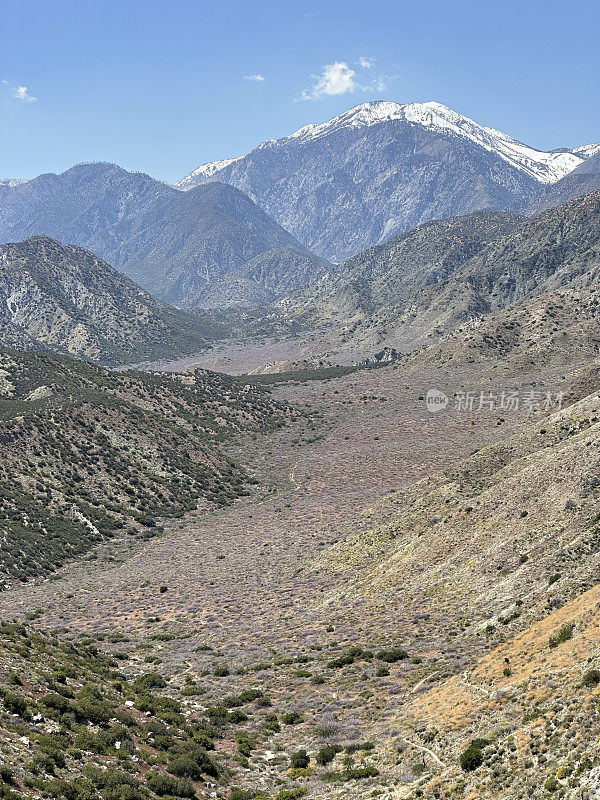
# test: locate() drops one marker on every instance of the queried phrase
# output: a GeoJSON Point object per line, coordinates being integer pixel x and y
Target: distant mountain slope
{"type": "Point", "coordinates": [262, 280]}
{"type": "Point", "coordinates": [427, 283]}
{"type": "Point", "coordinates": [62, 298]}
{"type": "Point", "coordinates": [172, 243]}
{"type": "Point", "coordinates": [558, 248]}
{"type": "Point", "coordinates": [584, 179]}
{"type": "Point", "coordinates": [390, 275]}
{"type": "Point", "coordinates": [381, 169]}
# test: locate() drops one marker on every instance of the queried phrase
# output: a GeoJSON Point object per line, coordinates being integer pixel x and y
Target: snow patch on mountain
{"type": "Point", "coordinates": [11, 182]}
{"type": "Point", "coordinates": [204, 171]}
{"type": "Point", "coordinates": [587, 150]}
{"type": "Point", "coordinates": [546, 167]}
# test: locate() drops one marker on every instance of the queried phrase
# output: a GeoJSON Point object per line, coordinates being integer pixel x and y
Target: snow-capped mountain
{"type": "Point", "coordinates": [547, 167]}
{"type": "Point", "coordinates": [383, 167]}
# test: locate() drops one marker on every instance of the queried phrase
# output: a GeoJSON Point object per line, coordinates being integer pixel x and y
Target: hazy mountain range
{"type": "Point", "coordinates": [174, 244]}
{"type": "Point", "coordinates": [466, 216]}
{"type": "Point", "coordinates": [245, 231]}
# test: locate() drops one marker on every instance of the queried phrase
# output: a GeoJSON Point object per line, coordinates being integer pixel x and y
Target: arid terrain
{"type": "Point", "coordinates": [309, 590]}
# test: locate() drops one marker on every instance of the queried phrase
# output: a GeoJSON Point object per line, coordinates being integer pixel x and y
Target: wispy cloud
{"type": "Point", "coordinates": [378, 84]}
{"type": "Point", "coordinates": [22, 93]}
{"type": "Point", "coordinates": [256, 76]}
{"type": "Point", "coordinates": [337, 78]}
{"type": "Point", "coordinates": [19, 92]}
{"type": "Point", "coordinates": [366, 62]}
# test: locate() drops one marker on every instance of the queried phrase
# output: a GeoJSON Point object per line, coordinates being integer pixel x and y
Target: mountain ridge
{"type": "Point", "coordinates": [62, 298]}
{"type": "Point", "coordinates": [546, 166]}
{"type": "Point", "coordinates": [172, 243]}
{"type": "Point", "coordinates": [383, 168]}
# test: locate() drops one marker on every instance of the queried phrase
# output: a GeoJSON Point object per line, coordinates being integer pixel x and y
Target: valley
{"type": "Point", "coordinates": [300, 467]}
{"type": "Point", "coordinates": [268, 592]}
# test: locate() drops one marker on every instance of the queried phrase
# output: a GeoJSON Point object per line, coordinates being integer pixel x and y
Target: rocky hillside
{"type": "Point", "coordinates": [442, 276]}
{"type": "Point", "coordinates": [391, 275]}
{"type": "Point", "coordinates": [553, 328]}
{"type": "Point", "coordinates": [383, 168]}
{"type": "Point", "coordinates": [172, 243]}
{"type": "Point", "coordinates": [584, 179]}
{"type": "Point", "coordinates": [499, 555]}
{"type": "Point", "coordinates": [87, 453]}
{"type": "Point", "coordinates": [62, 298]}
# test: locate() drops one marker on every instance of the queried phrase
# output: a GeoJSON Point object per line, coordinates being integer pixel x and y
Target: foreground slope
{"type": "Point", "coordinates": [383, 657]}
{"type": "Point", "coordinates": [63, 298]}
{"type": "Point", "coordinates": [172, 243]}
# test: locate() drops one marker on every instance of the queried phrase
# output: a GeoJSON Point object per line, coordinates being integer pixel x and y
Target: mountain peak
{"type": "Point", "coordinates": [545, 167]}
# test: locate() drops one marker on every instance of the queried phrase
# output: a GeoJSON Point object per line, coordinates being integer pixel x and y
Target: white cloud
{"type": "Point", "coordinates": [336, 78]}
{"type": "Point", "coordinates": [256, 76]}
{"type": "Point", "coordinates": [366, 62]}
{"type": "Point", "coordinates": [22, 93]}
{"type": "Point", "coordinates": [19, 92]}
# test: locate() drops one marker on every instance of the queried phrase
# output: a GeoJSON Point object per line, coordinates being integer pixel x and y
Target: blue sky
{"type": "Point", "coordinates": [160, 87]}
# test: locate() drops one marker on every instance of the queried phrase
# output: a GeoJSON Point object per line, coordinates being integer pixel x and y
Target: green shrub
{"type": "Point", "coordinates": [194, 763]}
{"type": "Point", "coordinates": [6, 774]}
{"type": "Point", "coordinates": [56, 702]}
{"type": "Point", "coordinates": [299, 760]}
{"type": "Point", "coordinates": [392, 655]}
{"type": "Point", "coordinates": [245, 743]}
{"type": "Point", "coordinates": [564, 633]}
{"type": "Point", "coordinates": [152, 680]}
{"type": "Point", "coordinates": [327, 753]}
{"type": "Point", "coordinates": [591, 678]}
{"type": "Point", "coordinates": [162, 784]}
{"type": "Point", "coordinates": [292, 718]}
{"type": "Point", "coordinates": [472, 757]}
{"type": "Point", "coordinates": [15, 704]}
{"type": "Point", "coordinates": [358, 773]}
{"type": "Point", "coordinates": [291, 794]}
{"type": "Point", "coordinates": [351, 656]}
{"type": "Point", "coordinates": [237, 716]}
